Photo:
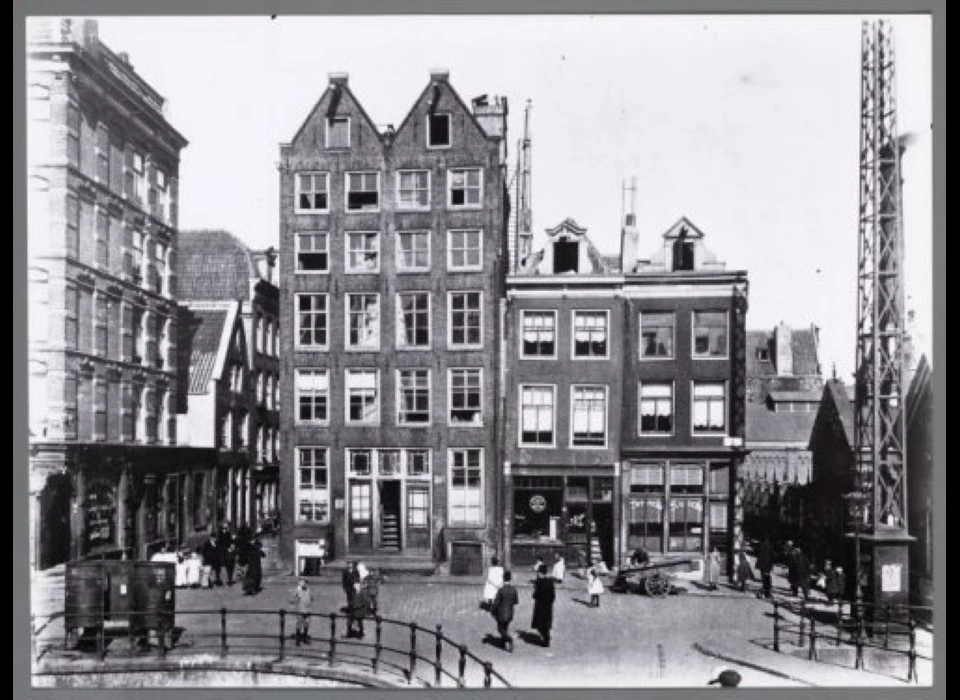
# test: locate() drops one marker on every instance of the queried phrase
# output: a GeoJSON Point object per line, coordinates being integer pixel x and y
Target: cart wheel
{"type": "Point", "coordinates": [657, 585]}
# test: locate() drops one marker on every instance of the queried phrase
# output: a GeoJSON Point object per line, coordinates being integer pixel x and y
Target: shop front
{"type": "Point", "coordinates": [563, 513]}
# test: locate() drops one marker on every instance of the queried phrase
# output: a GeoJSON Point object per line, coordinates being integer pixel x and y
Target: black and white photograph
{"type": "Point", "coordinates": [480, 351]}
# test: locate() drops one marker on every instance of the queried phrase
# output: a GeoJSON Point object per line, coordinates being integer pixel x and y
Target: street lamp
{"type": "Point", "coordinates": [855, 501]}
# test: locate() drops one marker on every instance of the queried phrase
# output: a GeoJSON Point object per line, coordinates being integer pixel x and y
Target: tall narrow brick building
{"type": "Point", "coordinates": [392, 245]}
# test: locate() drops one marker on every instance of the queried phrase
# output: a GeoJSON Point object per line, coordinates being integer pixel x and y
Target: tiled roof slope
{"type": "Point", "coordinates": [213, 265]}
{"type": "Point", "coordinates": [803, 342]}
{"type": "Point", "coordinates": [207, 326]}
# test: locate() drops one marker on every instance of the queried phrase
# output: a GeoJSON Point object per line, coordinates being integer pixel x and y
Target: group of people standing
{"type": "Point", "coordinates": [360, 587]}
{"type": "Point", "coordinates": [232, 552]}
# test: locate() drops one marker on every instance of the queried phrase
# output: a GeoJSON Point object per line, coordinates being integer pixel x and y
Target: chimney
{"type": "Point", "coordinates": [629, 244]}
{"type": "Point", "coordinates": [338, 79]}
{"type": "Point", "coordinates": [439, 75]}
{"type": "Point", "coordinates": [492, 117]}
{"type": "Point", "coordinates": [782, 338]}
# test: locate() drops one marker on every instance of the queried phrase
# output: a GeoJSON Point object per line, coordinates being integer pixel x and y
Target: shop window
{"type": "Point", "coordinates": [686, 524]}
{"type": "Point", "coordinates": [537, 501]}
{"type": "Point", "coordinates": [645, 522]}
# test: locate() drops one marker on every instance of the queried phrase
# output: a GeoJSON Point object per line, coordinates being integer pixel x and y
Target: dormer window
{"type": "Point", "coordinates": [763, 354]}
{"type": "Point", "coordinates": [438, 130]}
{"type": "Point", "coordinates": [566, 257]}
{"type": "Point", "coordinates": [683, 255]}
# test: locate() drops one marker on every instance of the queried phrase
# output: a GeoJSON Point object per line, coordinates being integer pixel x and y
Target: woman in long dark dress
{"type": "Point", "coordinates": [544, 593]}
{"type": "Point", "coordinates": [254, 573]}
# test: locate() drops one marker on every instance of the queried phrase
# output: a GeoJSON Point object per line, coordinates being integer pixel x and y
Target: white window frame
{"type": "Point", "coordinates": [346, 393]}
{"type": "Point", "coordinates": [606, 416]}
{"type": "Point", "coordinates": [348, 462]}
{"type": "Point", "coordinates": [450, 174]}
{"type": "Point", "coordinates": [406, 462]}
{"type": "Point", "coordinates": [464, 268]}
{"type": "Point", "coordinates": [400, 341]}
{"type": "Point", "coordinates": [480, 489]}
{"type": "Point", "coordinates": [297, 395]}
{"type": "Point", "coordinates": [401, 206]}
{"type": "Point", "coordinates": [673, 339]}
{"type": "Point", "coordinates": [299, 488]}
{"type": "Point", "coordinates": [693, 334]}
{"type": "Point", "coordinates": [347, 267]}
{"type": "Point", "coordinates": [553, 427]}
{"type": "Point", "coordinates": [297, 191]}
{"type": "Point", "coordinates": [398, 251]}
{"type": "Point", "coordinates": [450, 421]}
{"type": "Point", "coordinates": [296, 315]}
{"type": "Point", "coordinates": [347, 346]}
{"type": "Point", "coordinates": [673, 410]}
{"type": "Point", "coordinates": [346, 192]}
{"type": "Point", "coordinates": [573, 335]}
{"type": "Point", "coordinates": [465, 346]}
{"type": "Point", "coordinates": [326, 131]}
{"type": "Point", "coordinates": [427, 130]}
{"type": "Point", "coordinates": [556, 334]}
{"type": "Point", "coordinates": [399, 397]}
{"type": "Point", "coordinates": [299, 250]}
{"type": "Point", "coordinates": [726, 408]}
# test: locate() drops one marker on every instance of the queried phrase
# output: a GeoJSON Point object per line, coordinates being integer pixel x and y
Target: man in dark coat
{"type": "Point", "coordinates": [210, 554]}
{"type": "Point", "coordinates": [348, 581]}
{"type": "Point", "coordinates": [803, 573]}
{"type": "Point", "coordinates": [544, 593]}
{"type": "Point", "coordinates": [359, 609]}
{"type": "Point", "coordinates": [254, 577]}
{"type": "Point", "coordinates": [227, 551]}
{"type": "Point", "coordinates": [791, 555]}
{"type": "Point", "coordinates": [765, 566]}
{"type": "Point", "coordinates": [502, 609]}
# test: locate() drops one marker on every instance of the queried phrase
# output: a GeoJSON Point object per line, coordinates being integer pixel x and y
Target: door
{"type": "Point", "coordinates": [603, 520]}
{"type": "Point", "coordinates": [418, 517]}
{"type": "Point", "coordinates": [360, 528]}
{"type": "Point", "coordinates": [390, 536]}
{"type": "Point", "coordinates": [54, 526]}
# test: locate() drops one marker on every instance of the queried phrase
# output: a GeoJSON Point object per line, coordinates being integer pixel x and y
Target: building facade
{"type": "Point", "coordinates": [216, 271]}
{"type": "Point", "coordinates": [624, 399]}
{"type": "Point", "coordinates": [103, 165]}
{"type": "Point", "coordinates": [391, 258]}
{"type": "Point", "coordinates": [784, 387]}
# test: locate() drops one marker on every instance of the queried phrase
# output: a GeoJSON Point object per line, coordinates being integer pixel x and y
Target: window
{"type": "Point", "coordinates": [388, 462]}
{"type": "Point", "coordinates": [101, 402]}
{"type": "Point", "coordinates": [709, 333]}
{"type": "Point", "coordinates": [312, 388]}
{"type": "Point", "coordinates": [338, 132]}
{"type": "Point", "coordinates": [686, 524]}
{"type": "Point", "coordinates": [566, 256]}
{"type": "Point", "coordinates": [313, 497]}
{"type": "Point", "coordinates": [311, 320]}
{"type": "Point", "coordinates": [709, 408]}
{"type": "Point", "coordinates": [438, 130]}
{"type": "Point", "coordinates": [413, 251]}
{"type": "Point", "coordinates": [465, 319]}
{"type": "Point", "coordinates": [418, 462]}
{"type": "Point", "coordinates": [656, 408]}
{"type": "Point", "coordinates": [537, 415]}
{"type": "Point", "coordinates": [313, 252]}
{"type": "Point", "coordinates": [413, 397]}
{"type": "Point", "coordinates": [103, 239]}
{"type": "Point", "coordinates": [763, 354]}
{"type": "Point", "coordinates": [101, 331]}
{"type": "Point", "coordinates": [73, 134]}
{"type": "Point", "coordinates": [539, 337]}
{"type": "Point", "coordinates": [363, 191]}
{"type": "Point", "coordinates": [72, 241]}
{"type": "Point", "coordinates": [465, 250]}
{"type": "Point", "coordinates": [686, 478]}
{"type": "Point", "coordinates": [103, 154]}
{"type": "Point", "coordinates": [312, 192]}
{"type": "Point", "coordinates": [363, 396]}
{"type": "Point", "coordinates": [588, 416]}
{"type": "Point", "coordinates": [360, 462]}
{"type": "Point", "coordinates": [466, 396]}
{"type": "Point", "coordinates": [466, 480]}
{"type": "Point", "coordinates": [363, 252]}
{"type": "Point", "coordinates": [590, 334]}
{"type": "Point", "coordinates": [133, 174]}
{"type": "Point", "coordinates": [656, 335]}
{"type": "Point", "coordinates": [413, 320]}
{"type": "Point", "coordinates": [645, 522]}
{"type": "Point", "coordinates": [413, 189]}
{"type": "Point", "coordinates": [71, 314]}
{"type": "Point", "coordinates": [363, 321]}
{"type": "Point", "coordinates": [537, 501]}
{"type": "Point", "coordinates": [464, 188]}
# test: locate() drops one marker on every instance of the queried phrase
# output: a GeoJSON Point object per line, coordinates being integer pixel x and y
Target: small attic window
{"type": "Point", "coordinates": [683, 255]}
{"type": "Point", "coordinates": [438, 130]}
{"type": "Point", "coordinates": [763, 354]}
{"type": "Point", "coordinates": [566, 257]}
{"type": "Point", "coordinates": [338, 132]}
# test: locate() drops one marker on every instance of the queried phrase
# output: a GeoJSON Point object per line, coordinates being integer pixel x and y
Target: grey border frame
{"type": "Point", "coordinates": [19, 553]}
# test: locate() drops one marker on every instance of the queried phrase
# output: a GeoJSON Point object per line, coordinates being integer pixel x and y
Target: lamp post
{"type": "Point", "coordinates": [855, 510]}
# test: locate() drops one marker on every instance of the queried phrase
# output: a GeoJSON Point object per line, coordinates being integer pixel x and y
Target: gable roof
{"type": "Point", "coordinates": [435, 85]}
{"type": "Point", "coordinates": [764, 425]}
{"type": "Point", "coordinates": [602, 264]}
{"type": "Point", "coordinates": [338, 89]}
{"type": "Point", "coordinates": [683, 228]}
{"type": "Point", "coordinates": [213, 265]}
{"type": "Point", "coordinates": [835, 393]}
{"type": "Point", "coordinates": [803, 344]}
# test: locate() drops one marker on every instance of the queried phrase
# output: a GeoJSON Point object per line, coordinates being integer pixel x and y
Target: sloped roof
{"type": "Point", "coordinates": [208, 328]}
{"type": "Point", "coordinates": [808, 396]}
{"type": "Point", "coordinates": [803, 343]}
{"type": "Point", "coordinates": [764, 425]}
{"type": "Point", "coordinates": [213, 265]}
{"type": "Point", "coordinates": [835, 389]}
{"type": "Point", "coordinates": [602, 264]}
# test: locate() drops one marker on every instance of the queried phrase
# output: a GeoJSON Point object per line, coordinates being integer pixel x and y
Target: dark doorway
{"type": "Point", "coordinates": [390, 515]}
{"type": "Point", "coordinates": [683, 255]}
{"type": "Point", "coordinates": [54, 526]}
{"type": "Point", "coordinates": [603, 520]}
{"type": "Point", "coordinates": [566, 256]}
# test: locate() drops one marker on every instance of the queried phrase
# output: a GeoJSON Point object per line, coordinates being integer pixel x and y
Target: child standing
{"type": "Point", "coordinates": [594, 588]}
{"type": "Point", "coordinates": [303, 599]}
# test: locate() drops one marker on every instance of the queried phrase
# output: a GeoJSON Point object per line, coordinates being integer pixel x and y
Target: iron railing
{"type": "Point", "coordinates": [404, 649]}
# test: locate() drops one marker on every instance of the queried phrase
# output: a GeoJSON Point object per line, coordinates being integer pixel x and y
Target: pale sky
{"type": "Point", "coordinates": [747, 125]}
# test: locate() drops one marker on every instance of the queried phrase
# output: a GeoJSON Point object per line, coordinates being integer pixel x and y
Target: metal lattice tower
{"type": "Point", "coordinates": [880, 435]}
{"type": "Point", "coordinates": [522, 239]}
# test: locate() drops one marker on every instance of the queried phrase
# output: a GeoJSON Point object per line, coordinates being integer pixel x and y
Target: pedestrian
{"type": "Point", "coordinates": [544, 593]}
{"type": "Point", "coordinates": [348, 581]}
{"type": "Point", "coordinates": [193, 570]}
{"type": "Point", "coordinates": [744, 570]}
{"type": "Point", "coordinates": [254, 573]}
{"type": "Point", "coordinates": [765, 565]}
{"type": "Point", "coordinates": [559, 568]}
{"type": "Point", "coordinates": [711, 569]}
{"type": "Point", "coordinates": [210, 555]}
{"type": "Point", "coordinates": [793, 567]}
{"type": "Point", "coordinates": [594, 588]}
{"type": "Point", "coordinates": [493, 583]}
{"type": "Point", "coordinates": [303, 598]}
{"type": "Point", "coordinates": [841, 579]}
{"type": "Point", "coordinates": [803, 573]}
{"type": "Point", "coordinates": [228, 551]}
{"type": "Point", "coordinates": [359, 609]}
{"type": "Point", "coordinates": [830, 581]}
{"type": "Point", "coordinates": [503, 604]}
{"type": "Point", "coordinates": [537, 564]}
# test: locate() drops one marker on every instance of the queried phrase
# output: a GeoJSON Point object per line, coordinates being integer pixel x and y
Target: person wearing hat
{"type": "Point", "coordinates": [544, 593]}
{"type": "Point", "coordinates": [725, 678]}
{"type": "Point", "coordinates": [303, 598]}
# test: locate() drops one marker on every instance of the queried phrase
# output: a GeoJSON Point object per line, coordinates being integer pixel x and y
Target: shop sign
{"type": "Point", "coordinates": [538, 503]}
